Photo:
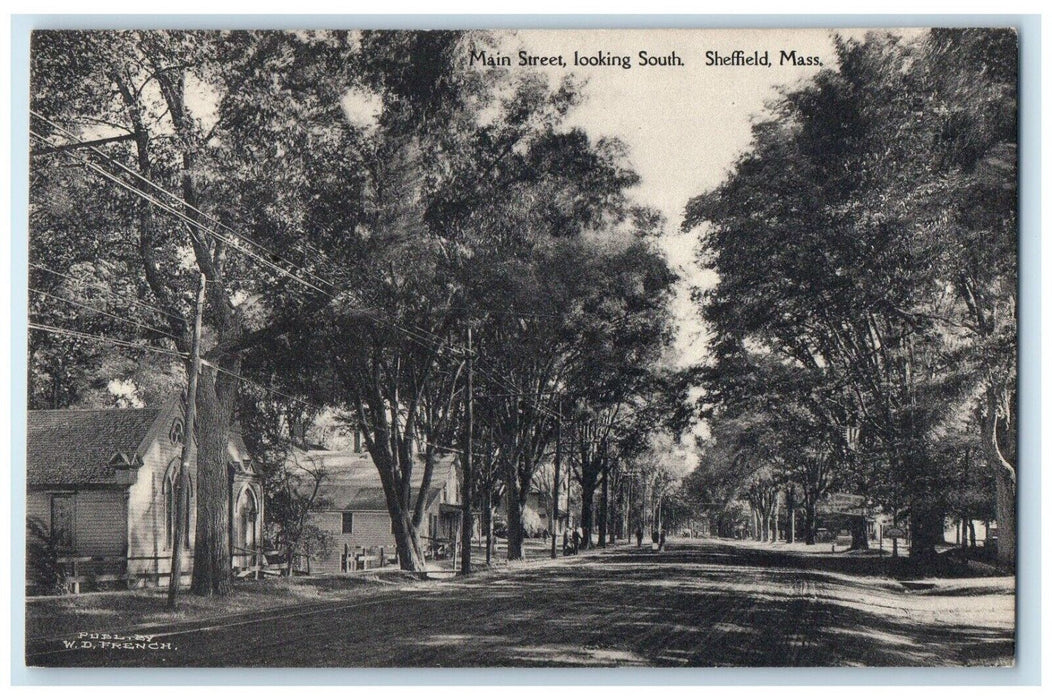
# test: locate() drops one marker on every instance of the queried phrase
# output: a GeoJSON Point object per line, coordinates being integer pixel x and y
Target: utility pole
{"type": "Point", "coordinates": [466, 486]}
{"type": "Point", "coordinates": [181, 482]}
{"type": "Point", "coordinates": [604, 500]}
{"type": "Point", "coordinates": [488, 498]}
{"type": "Point", "coordinates": [555, 483]}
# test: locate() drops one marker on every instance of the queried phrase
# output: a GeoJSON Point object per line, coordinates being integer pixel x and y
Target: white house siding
{"type": "Point", "coordinates": [99, 527]}
{"type": "Point", "coordinates": [38, 506]}
{"type": "Point", "coordinates": [149, 553]}
{"type": "Point", "coordinates": [371, 529]}
{"type": "Point", "coordinates": [98, 519]}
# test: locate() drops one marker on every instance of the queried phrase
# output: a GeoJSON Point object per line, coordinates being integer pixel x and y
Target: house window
{"type": "Point", "coordinates": [175, 433]}
{"type": "Point", "coordinates": [247, 514]}
{"type": "Point", "coordinates": [62, 520]}
{"type": "Point", "coordinates": [348, 522]}
{"type": "Point", "coordinates": [170, 508]}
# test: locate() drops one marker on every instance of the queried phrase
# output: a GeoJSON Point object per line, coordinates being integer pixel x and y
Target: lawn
{"type": "Point", "coordinates": [58, 616]}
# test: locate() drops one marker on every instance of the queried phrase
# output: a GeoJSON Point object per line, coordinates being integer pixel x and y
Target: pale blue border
{"type": "Point", "coordinates": [1028, 629]}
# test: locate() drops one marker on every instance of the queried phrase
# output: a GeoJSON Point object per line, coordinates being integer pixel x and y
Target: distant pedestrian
{"type": "Point", "coordinates": [661, 540]}
{"type": "Point", "coordinates": [654, 538]}
{"type": "Point", "coordinates": [576, 541]}
{"type": "Point", "coordinates": [566, 542]}
{"type": "Point", "coordinates": [639, 537]}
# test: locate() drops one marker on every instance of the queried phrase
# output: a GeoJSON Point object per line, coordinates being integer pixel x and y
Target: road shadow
{"type": "Point", "coordinates": [699, 606]}
{"type": "Point", "coordinates": [722, 606]}
{"type": "Point", "coordinates": [947, 565]}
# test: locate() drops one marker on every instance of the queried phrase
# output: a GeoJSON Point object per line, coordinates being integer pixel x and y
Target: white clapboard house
{"type": "Point", "coordinates": [100, 484]}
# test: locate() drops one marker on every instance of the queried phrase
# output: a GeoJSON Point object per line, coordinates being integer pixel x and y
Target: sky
{"type": "Point", "coordinates": [684, 125]}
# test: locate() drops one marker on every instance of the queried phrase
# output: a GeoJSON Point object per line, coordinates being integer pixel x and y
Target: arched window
{"type": "Point", "coordinates": [247, 515]}
{"type": "Point", "coordinates": [170, 506]}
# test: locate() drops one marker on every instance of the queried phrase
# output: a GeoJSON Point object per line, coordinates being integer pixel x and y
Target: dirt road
{"type": "Point", "coordinates": [698, 604]}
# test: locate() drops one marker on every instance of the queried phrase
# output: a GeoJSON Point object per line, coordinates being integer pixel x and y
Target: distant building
{"type": "Point", "coordinates": [100, 483]}
{"type": "Point", "coordinates": [536, 513]}
{"type": "Point", "coordinates": [352, 509]}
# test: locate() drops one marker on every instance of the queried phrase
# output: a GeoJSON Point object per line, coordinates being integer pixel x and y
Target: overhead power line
{"type": "Point", "coordinates": [179, 200]}
{"type": "Point", "coordinates": [423, 337]}
{"type": "Point", "coordinates": [184, 218]}
{"type": "Point", "coordinates": [97, 310]}
{"type": "Point", "coordinates": [111, 294]}
{"type": "Point", "coordinates": [84, 144]}
{"type": "Point", "coordinates": [191, 221]}
{"type": "Point", "coordinates": [56, 330]}
{"type": "Point", "coordinates": [271, 390]}
{"type": "Point", "coordinates": [418, 337]}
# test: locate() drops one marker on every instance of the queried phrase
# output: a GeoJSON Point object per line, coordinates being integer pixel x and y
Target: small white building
{"type": "Point", "coordinates": [351, 508]}
{"type": "Point", "coordinates": [100, 483]}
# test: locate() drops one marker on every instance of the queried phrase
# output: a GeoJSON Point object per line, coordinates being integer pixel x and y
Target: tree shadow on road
{"type": "Point", "coordinates": [871, 564]}
{"type": "Point", "coordinates": [714, 608]}
{"type": "Point", "coordinates": [698, 606]}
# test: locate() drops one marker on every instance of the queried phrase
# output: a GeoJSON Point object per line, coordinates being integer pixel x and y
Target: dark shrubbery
{"type": "Point", "coordinates": [44, 573]}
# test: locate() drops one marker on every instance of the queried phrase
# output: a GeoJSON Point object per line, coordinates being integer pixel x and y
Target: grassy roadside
{"type": "Point", "coordinates": [112, 612]}
{"type": "Point", "coordinates": [49, 617]}
{"type": "Point", "coordinates": [710, 603]}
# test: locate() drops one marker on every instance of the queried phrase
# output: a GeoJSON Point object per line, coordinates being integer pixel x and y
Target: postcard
{"type": "Point", "coordinates": [522, 348]}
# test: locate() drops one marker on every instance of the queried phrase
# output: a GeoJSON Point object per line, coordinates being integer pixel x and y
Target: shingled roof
{"type": "Point", "coordinates": [352, 483]}
{"type": "Point", "coordinates": [74, 447]}
{"type": "Point", "coordinates": [352, 497]}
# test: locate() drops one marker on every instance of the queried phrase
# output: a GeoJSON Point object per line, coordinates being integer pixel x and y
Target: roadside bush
{"type": "Point", "coordinates": [44, 573]}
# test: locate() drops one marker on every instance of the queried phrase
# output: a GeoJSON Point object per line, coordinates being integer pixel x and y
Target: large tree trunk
{"type": "Point", "coordinates": [589, 482]}
{"type": "Point", "coordinates": [388, 452]}
{"type": "Point", "coordinates": [859, 536]}
{"type": "Point", "coordinates": [212, 564]}
{"type": "Point", "coordinates": [514, 500]}
{"type": "Point", "coordinates": [587, 504]}
{"type": "Point", "coordinates": [926, 531]}
{"type": "Point", "coordinates": [467, 523]}
{"type": "Point", "coordinates": [1005, 490]}
{"type": "Point", "coordinates": [487, 525]}
{"type": "Point", "coordinates": [407, 542]}
{"type": "Point", "coordinates": [1004, 481]}
{"type": "Point", "coordinates": [215, 396]}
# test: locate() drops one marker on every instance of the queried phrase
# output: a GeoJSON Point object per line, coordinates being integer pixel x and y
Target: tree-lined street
{"type": "Point", "coordinates": [397, 305]}
{"type": "Point", "coordinates": [700, 603]}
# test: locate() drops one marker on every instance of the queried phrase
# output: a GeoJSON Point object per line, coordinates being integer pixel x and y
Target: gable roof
{"type": "Point", "coordinates": [92, 447]}
{"type": "Point", "coordinates": [358, 498]}
{"type": "Point", "coordinates": [75, 447]}
{"type": "Point", "coordinates": [352, 483]}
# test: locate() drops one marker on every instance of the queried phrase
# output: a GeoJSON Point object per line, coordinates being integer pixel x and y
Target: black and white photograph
{"type": "Point", "coordinates": [522, 348]}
